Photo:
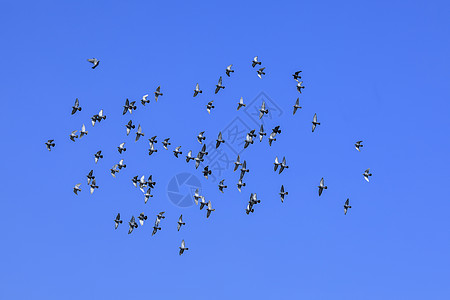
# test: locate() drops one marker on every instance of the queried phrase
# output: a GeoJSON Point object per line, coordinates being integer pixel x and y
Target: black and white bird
{"type": "Point", "coordinates": [142, 217]}
{"type": "Point", "coordinates": [183, 247]}
{"type": "Point", "coordinates": [129, 126]}
{"type": "Point", "coordinates": [98, 117]}
{"type": "Point", "coordinates": [117, 221]}
{"type": "Point", "coordinates": [314, 122]}
{"type": "Point", "coordinates": [249, 209]}
{"type": "Point", "coordinates": [276, 129]}
{"type": "Point", "coordinates": [283, 165]}
{"type": "Point", "coordinates": [209, 209]}
{"type": "Point", "coordinates": [260, 72]}
{"type": "Point", "coordinates": [196, 196]}
{"type": "Point", "coordinates": [209, 106]}
{"type": "Point", "coordinates": [129, 106]}
{"type": "Point", "coordinates": [222, 186]}
{"type": "Point", "coordinates": [261, 133]}
{"type": "Point", "coordinates": [114, 170]}
{"type": "Point", "coordinates": [200, 137]}
{"type": "Point", "coordinates": [228, 70]}
{"type": "Point", "coordinates": [93, 61]}
{"type": "Point", "coordinates": [135, 180]}
{"type": "Point", "coordinates": [241, 103]}
{"type": "Point", "coordinates": [155, 229]}
{"type": "Point", "coordinates": [203, 202]}
{"type": "Point", "coordinates": [90, 176]}
{"type": "Point", "coordinates": [346, 206]}
{"type": "Point", "coordinates": [76, 107]}
{"type": "Point", "coordinates": [322, 186]}
{"type": "Point", "coordinates": [197, 90]}
{"type": "Point", "coordinates": [276, 164]}
{"type": "Point", "coordinates": [198, 159]}
{"type": "Point", "coordinates": [203, 150]}
{"type": "Point", "coordinates": [147, 195]}
{"type": "Point", "coordinates": [248, 140]}
{"type": "Point", "coordinates": [219, 140]}
{"type": "Point", "coordinates": [366, 174]}
{"type": "Point", "coordinates": [121, 164]}
{"type": "Point", "coordinates": [189, 156]}
{"type": "Point", "coordinates": [206, 171]}
{"type": "Point", "coordinates": [177, 151]}
{"type": "Point", "coordinates": [263, 110]}
{"type": "Point", "coordinates": [150, 182]}
{"type": "Point", "coordinates": [97, 156]}
{"type": "Point", "coordinates": [73, 135]}
{"type": "Point", "coordinates": [255, 61]}
{"type": "Point", "coordinates": [237, 163]}
{"type": "Point", "coordinates": [121, 148]}
{"type": "Point", "coordinates": [139, 133]}
{"type": "Point", "coordinates": [296, 106]}
{"type": "Point", "coordinates": [166, 143]}
{"type": "Point", "coordinates": [219, 85]}
{"type": "Point", "coordinates": [180, 222]}
{"type": "Point", "coordinates": [152, 140]}
{"type": "Point", "coordinates": [240, 184]}
{"type": "Point", "coordinates": [132, 223]}
{"type": "Point", "coordinates": [158, 93]}
{"type": "Point", "coordinates": [296, 75]}
{"type": "Point", "coordinates": [49, 144]}
{"type": "Point", "coordinates": [93, 185]}
{"type": "Point", "coordinates": [159, 217]}
{"type": "Point", "coordinates": [145, 100]}
{"type": "Point", "coordinates": [244, 169]}
{"type": "Point", "coordinates": [272, 138]}
{"type": "Point", "coordinates": [283, 193]}
{"type": "Point", "coordinates": [83, 131]}
{"type": "Point", "coordinates": [358, 145]}
{"type": "Point", "coordinates": [142, 183]}
{"type": "Point", "coordinates": [300, 86]}
{"type": "Point", "coordinates": [76, 188]}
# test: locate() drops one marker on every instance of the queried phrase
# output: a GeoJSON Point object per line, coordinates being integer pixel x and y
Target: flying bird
{"type": "Point", "coordinates": [358, 145]}
{"type": "Point", "coordinates": [203, 150]}
{"type": "Point", "coordinates": [206, 172]}
{"type": "Point", "coordinates": [142, 217]}
{"type": "Point", "coordinates": [150, 182]}
{"type": "Point", "coordinates": [155, 229]}
{"type": "Point", "coordinates": [219, 85]}
{"type": "Point", "coordinates": [98, 117]}
{"type": "Point", "coordinates": [261, 133]}
{"type": "Point", "coordinates": [97, 156]}
{"type": "Point", "coordinates": [228, 70]}
{"type": "Point", "coordinates": [255, 61]}
{"type": "Point", "coordinates": [121, 164]}
{"type": "Point", "coordinates": [366, 174]}
{"type": "Point", "coordinates": [180, 222]}
{"type": "Point", "coordinates": [296, 106]}
{"type": "Point", "coordinates": [321, 186]}
{"type": "Point", "coordinates": [314, 122]}
{"type": "Point", "coordinates": [300, 86]}
{"type": "Point", "coordinates": [49, 144]}
{"type": "Point", "coordinates": [244, 169]}
{"type": "Point", "coordinates": [237, 163]}
{"type": "Point", "coordinates": [93, 185]}
{"type": "Point", "coordinates": [209, 209]}
{"type": "Point", "coordinates": [147, 195]}
{"type": "Point", "coordinates": [283, 165]}
{"type": "Point", "coordinates": [200, 137]}
{"type": "Point", "coordinates": [158, 93]}
{"type": "Point", "coordinates": [159, 217]}
{"type": "Point", "coordinates": [83, 131]}
{"type": "Point", "coordinates": [263, 110]}
{"type": "Point", "coordinates": [76, 188]}
{"type": "Point", "coordinates": [177, 151]}
{"type": "Point", "coordinates": [132, 225]}
{"type": "Point", "coordinates": [117, 221]}
{"type": "Point", "coordinates": [276, 130]}
{"type": "Point", "coordinates": [183, 247]}
{"type": "Point", "coordinates": [222, 186]}
{"type": "Point", "coordinates": [76, 106]}
{"type": "Point", "coordinates": [129, 126]}
{"type": "Point", "coordinates": [209, 106]}
{"type": "Point", "coordinates": [145, 100]}
{"type": "Point", "coordinates": [283, 193]}
{"type": "Point", "coordinates": [272, 138]}
{"type": "Point", "coordinates": [197, 90]}
{"type": "Point", "coordinates": [73, 135]}
{"type": "Point", "coordinates": [121, 148]}
{"type": "Point", "coordinates": [135, 180]}
{"type": "Point", "coordinates": [346, 206]}
{"type": "Point", "coordinates": [276, 164]}
{"type": "Point", "coordinates": [248, 140]}
{"type": "Point", "coordinates": [152, 140]}
{"type": "Point", "coordinates": [198, 160]}
{"type": "Point", "coordinates": [166, 143]}
{"type": "Point", "coordinates": [240, 184]}
{"type": "Point", "coordinates": [114, 170]}
{"type": "Point", "coordinates": [202, 202]}
{"type": "Point", "coordinates": [129, 106]}
{"type": "Point", "coordinates": [196, 196]}
{"type": "Point", "coordinates": [93, 61]}
{"type": "Point", "coordinates": [261, 72]}
{"type": "Point", "coordinates": [219, 140]}
{"type": "Point", "coordinates": [139, 133]}
{"type": "Point", "coordinates": [90, 176]}
{"type": "Point", "coordinates": [241, 103]}
{"type": "Point", "coordinates": [189, 156]}
{"type": "Point", "coordinates": [296, 75]}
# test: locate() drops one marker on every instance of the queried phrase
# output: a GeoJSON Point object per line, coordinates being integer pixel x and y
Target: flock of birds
{"type": "Point", "coordinates": [146, 185]}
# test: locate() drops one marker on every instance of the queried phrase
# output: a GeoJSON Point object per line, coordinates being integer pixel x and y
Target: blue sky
{"type": "Point", "coordinates": [373, 71]}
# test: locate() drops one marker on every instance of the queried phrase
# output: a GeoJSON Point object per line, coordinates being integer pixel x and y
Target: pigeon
{"type": "Point", "coordinates": [129, 106]}
{"type": "Point", "coordinates": [139, 133]}
{"type": "Point", "coordinates": [203, 150]}
{"type": "Point", "coordinates": [296, 75]}
{"type": "Point", "coordinates": [228, 70]}
{"type": "Point", "coordinates": [189, 156]}
{"type": "Point", "coordinates": [129, 126]}
{"type": "Point", "coordinates": [219, 140]}
{"type": "Point", "coordinates": [177, 151]}
{"type": "Point", "coordinates": [142, 217]}
{"type": "Point", "coordinates": [276, 130]}
{"type": "Point", "coordinates": [202, 202]}
{"type": "Point", "coordinates": [117, 221]}
{"type": "Point", "coordinates": [237, 163]}
{"type": "Point", "coordinates": [121, 148]}
{"type": "Point", "coordinates": [249, 208]}
{"type": "Point", "coordinates": [73, 135]}
{"type": "Point", "coordinates": [166, 143]}
{"type": "Point", "coordinates": [152, 140]}
{"type": "Point", "coordinates": [93, 61]}
{"type": "Point", "coordinates": [283, 165]}
{"type": "Point", "coordinates": [241, 103]}
{"type": "Point", "coordinates": [219, 85]}
{"type": "Point", "coordinates": [263, 110]}
{"type": "Point", "coordinates": [132, 224]}
{"type": "Point", "coordinates": [142, 183]}
{"type": "Point", "coordinates": [76, 188]}
{"type": "Point", "coordinates": [200, 137]}
{"type": "Point", "coordinates": [121, 164]}
{"type": "Point", "coordinates": [261, 133]}
{"type": "Point", "coordinates": [367, 174]}
{"type": "Point", "coordinates": [209, 209]}
{"type": "Point", "coordinates": [261, 72]}
{"type": "Point", "coordinates": [209, 106]}
{"type": "Point", "coordinates": [158, 93]}
{"type": "Point", "coordinates": [144, 99]}
{"type": "Point", "coordinates": [114, 170]}
{"type": "Point", "coordinates": [321, 186]}
{"type": "Point", "coordinates": [358, 145]}
{"type": "Point", "coordinates": [346, 206]}
{"type": "Point", "coordinates": [83, 131]}
{"type": "Point", "coordinates": [198, 160]}
{"type": "Point", "coordinates": [159, 217]}
{"type": "Point", "coordinates": [150, 182]}
{"type": "Point", "coordinates": [135, 180]}
{"type": "Point", "coordinates": [253, 199]}
{"type": "Point", "coordinates": [255, 61]}
{"type": "Point", "coordinates": [282, 193]}
{"type": "Point", "coordinates": [183, 247]}
{"type": "Point", "coordinates": [248, 140]}
{"type": "Point", "coordinates": [222, 186]}
{"type": "Point", "coordinates": [90, 176]}
{"type": "Point", "coordinates": [314, 122]}
{"type": "Point", "coordinates": [155, 229]}
{"type": "Point", "coordinates": [300, 86]}
{"type": "Point", "coordinates": [244, 169]}
{"type": "Point", "coordinates": [206, 172]}
{"type": "Point", "coordinates": [93, 185]}
{"type": "Point", "coordinates": [76, 106]}
{"type": "Point", "coordinates": [240, 184]}
{"type": "Point", "coordinates": [296, 106]}
{"type": "Point", "coordinates": [197, 90]}
{"type": "Point", "coordinates": [196, 196]}
{"type": "Point", "coordinates": [276, 164]}
{"type": "Point", "coordinates": [180, 222]}
{"type": "Point", "coordinates": [147, 195]}
{"type": "Point", "coordinates": [272, 138]}
{"type": "Point", "coordinates": [49, 144]}
{"type": "Point", "coordinates": [98, 117]}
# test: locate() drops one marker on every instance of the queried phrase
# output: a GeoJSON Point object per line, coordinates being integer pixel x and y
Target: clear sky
{"type": "Point", "coordinates": [375, 71]}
